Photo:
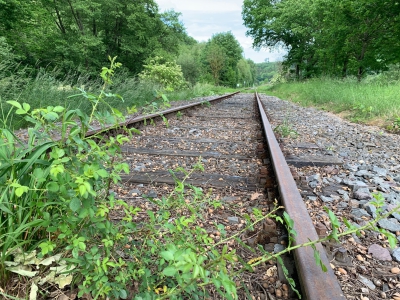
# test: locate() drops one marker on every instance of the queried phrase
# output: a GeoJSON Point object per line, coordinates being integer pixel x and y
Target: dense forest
{"type": "Point", "coordinates": [79, 35]}
{"type": "Point", "coordinates": [328, 37]}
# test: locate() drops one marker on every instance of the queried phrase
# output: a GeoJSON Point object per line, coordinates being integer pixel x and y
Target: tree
{"type": "Point", "coordinates": [216, 59]}
{"type": "Point", "coordinates": [224, 45]}
{"type": "Point", "coordinates": [245, 76]}
{"type": "Point", "coordinates": [327, 36]}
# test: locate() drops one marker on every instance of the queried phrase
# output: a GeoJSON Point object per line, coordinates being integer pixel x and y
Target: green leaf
{"type": "Point", "coordinates": [102, 173]}
{"type": "Point", "coordinates": [20, 111]}
{"type": "Point", "coordinates": [123, 294]}
{"type": "Point", "coordinates": [15, 103]}
{"type": "Point", "coordinates": [26, 106]}
{"type": "Point", "coordinates": [196, 271]}
{"type": "Point", "coordinates": [58, 109]}
{"type": "Point", "coordinates": [75, 204]}
{"type": "Point", "coordinates": [51, 116]}
{"type": "Point", "coordinates": [169, 271]}
{"type": "Point", "coordinates": [167, 255]}
{"type": "Point", "coordinates": [53, 186]}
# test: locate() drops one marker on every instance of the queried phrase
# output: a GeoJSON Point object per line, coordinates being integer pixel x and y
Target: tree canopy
{"type": "Point", "coordinates": [72, 33]}
{"type": "Point", "coordinates": [80, 35]}
{"type": "Point", "coordinates": [327, 37]}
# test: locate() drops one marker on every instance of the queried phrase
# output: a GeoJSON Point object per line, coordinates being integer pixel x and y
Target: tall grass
{"type": "Point", "coordinates": [370, 100]}
{"type": "Point", "coordinates": [50, 88]}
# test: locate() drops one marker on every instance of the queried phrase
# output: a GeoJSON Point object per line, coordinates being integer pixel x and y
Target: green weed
{"type": "Point", "coordinates": [286, 130]}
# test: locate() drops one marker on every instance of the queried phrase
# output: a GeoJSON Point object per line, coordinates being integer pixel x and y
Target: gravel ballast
{"type": "Point", "coordinates": [365, 165]}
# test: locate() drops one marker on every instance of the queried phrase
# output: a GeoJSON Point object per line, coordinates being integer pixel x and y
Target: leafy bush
{"type": "Point", "coordinates": [165, 73]}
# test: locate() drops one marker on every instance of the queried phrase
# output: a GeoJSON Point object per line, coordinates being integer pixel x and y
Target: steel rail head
{"type": "Point", "coordinates": [315, 284]}
{"type": "Point", "coordinates": [158, 114]}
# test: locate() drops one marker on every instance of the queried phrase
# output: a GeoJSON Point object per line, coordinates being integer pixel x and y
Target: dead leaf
{"type": "Point", "coordinates": [272, 271]}
{"type": "Point", "coordinates": [255, 195]}
{"type": "Point", "coordinates": [33, 292]}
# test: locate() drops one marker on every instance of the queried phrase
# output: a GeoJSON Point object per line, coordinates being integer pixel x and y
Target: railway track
{"type": "Point", "coordinates": [244, 169]}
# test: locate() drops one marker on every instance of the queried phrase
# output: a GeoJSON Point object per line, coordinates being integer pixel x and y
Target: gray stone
{"type": "Point", "coordinates": [396, 254]}
{"type": "Point", "coordinates": [342, 192]}
{"type": "Point", "coordinates": [355, 185]}
{"type": "Point", "coordinates": [380, 171]}
{"type": "Point", "coordinates": [354, 203]}
{"type": "Point", "coordinates": [335, 197]}
{"type": "Point", "coordinates": [379, 252]}
{"type": "Point", "coordinates": [352, 168]}
{"type": "Point", "coordinates": [389, 225]}
{"type": "Point", "coordinates": [342, 205]}
{"type": "Point", "coordinates": [396, 215]}
{"type": "Point", "coordinates": [393, 198]}
{"type": "Point", "coordinates": [362, 203]}
{"type": "Point", "coordinates": [368, 283]}
{"type": "Point", "coordinates": [371, 209]}
{"type": "Point", "coordinates": [139, 168]}
{"type": "Point", "coordinates": [278, 248]}
{"type": "Point", "coordinates": [384, 187]}
{"type": "Point", "coordinates": [360, 195]}
{"type": "Point", "coordinates": [325, 181]}
{"type": "Point", "coordinates": [356, 238]}
{"type": "Point", "coordinates": [269, 247]}
{"type": "Point", "coordinates": [152, 194]}
{"type": "Point", "coordinates": [313, 184]}
{"type": "Point", "coordinates": [233, 220]}
{"type": "Point", "coordinates": [377, 180]}
{"type": "Point", "coordinates": [397, 179]}
{"type": "Point", "coordinates": [312, 198]}
{"type": "Point", "coordinates": [337, 179]}
{"type": "Point", "coordinates": [385, 288]}
{"type": "Point", "coordinates": [326, 199]}
{"type": "Point", "coordinates": [315, 177]}
{"type": "Point", "coordinates": [229, 198]}
{"type": "Point", "coordinates": [135, 192]}
{"type": "Point", "coordinates": [359, 212]}
{"type": "Point", "coordinates": [364, 173]}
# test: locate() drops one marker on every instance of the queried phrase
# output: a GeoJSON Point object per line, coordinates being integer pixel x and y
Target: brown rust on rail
{"type": "Point", "coordinates": [315, 284]}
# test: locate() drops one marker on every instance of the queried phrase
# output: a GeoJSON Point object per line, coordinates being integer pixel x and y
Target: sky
{"type": "Point", "coordinates": [203, 18]}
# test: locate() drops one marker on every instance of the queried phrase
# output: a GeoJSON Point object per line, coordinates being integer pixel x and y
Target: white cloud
{"type": "Point", "coordinates": [201, 6]}
{"type": "Point", "coordinates": [204, 18]}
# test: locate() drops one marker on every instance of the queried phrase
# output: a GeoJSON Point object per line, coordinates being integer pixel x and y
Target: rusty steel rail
{"type": "Point", "coordinates": [158, 114]}
{"type": "Point", "coordinates": [315, 284]}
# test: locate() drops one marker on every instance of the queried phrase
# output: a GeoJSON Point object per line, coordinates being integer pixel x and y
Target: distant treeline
{"type": "Point", "coordinates": [79, 35]}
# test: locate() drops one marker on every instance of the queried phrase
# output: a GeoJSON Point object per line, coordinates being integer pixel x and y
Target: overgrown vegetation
{"type": "Point", "coordinates": [371, 100]}
{"type": "Point", "coordinates": [57, 207]}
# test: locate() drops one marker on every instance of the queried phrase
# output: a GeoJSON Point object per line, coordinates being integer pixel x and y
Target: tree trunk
{"type": "Point", "coordinates": [344, 69]}
{"type": "Point", "coordinates": [59, 23]}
